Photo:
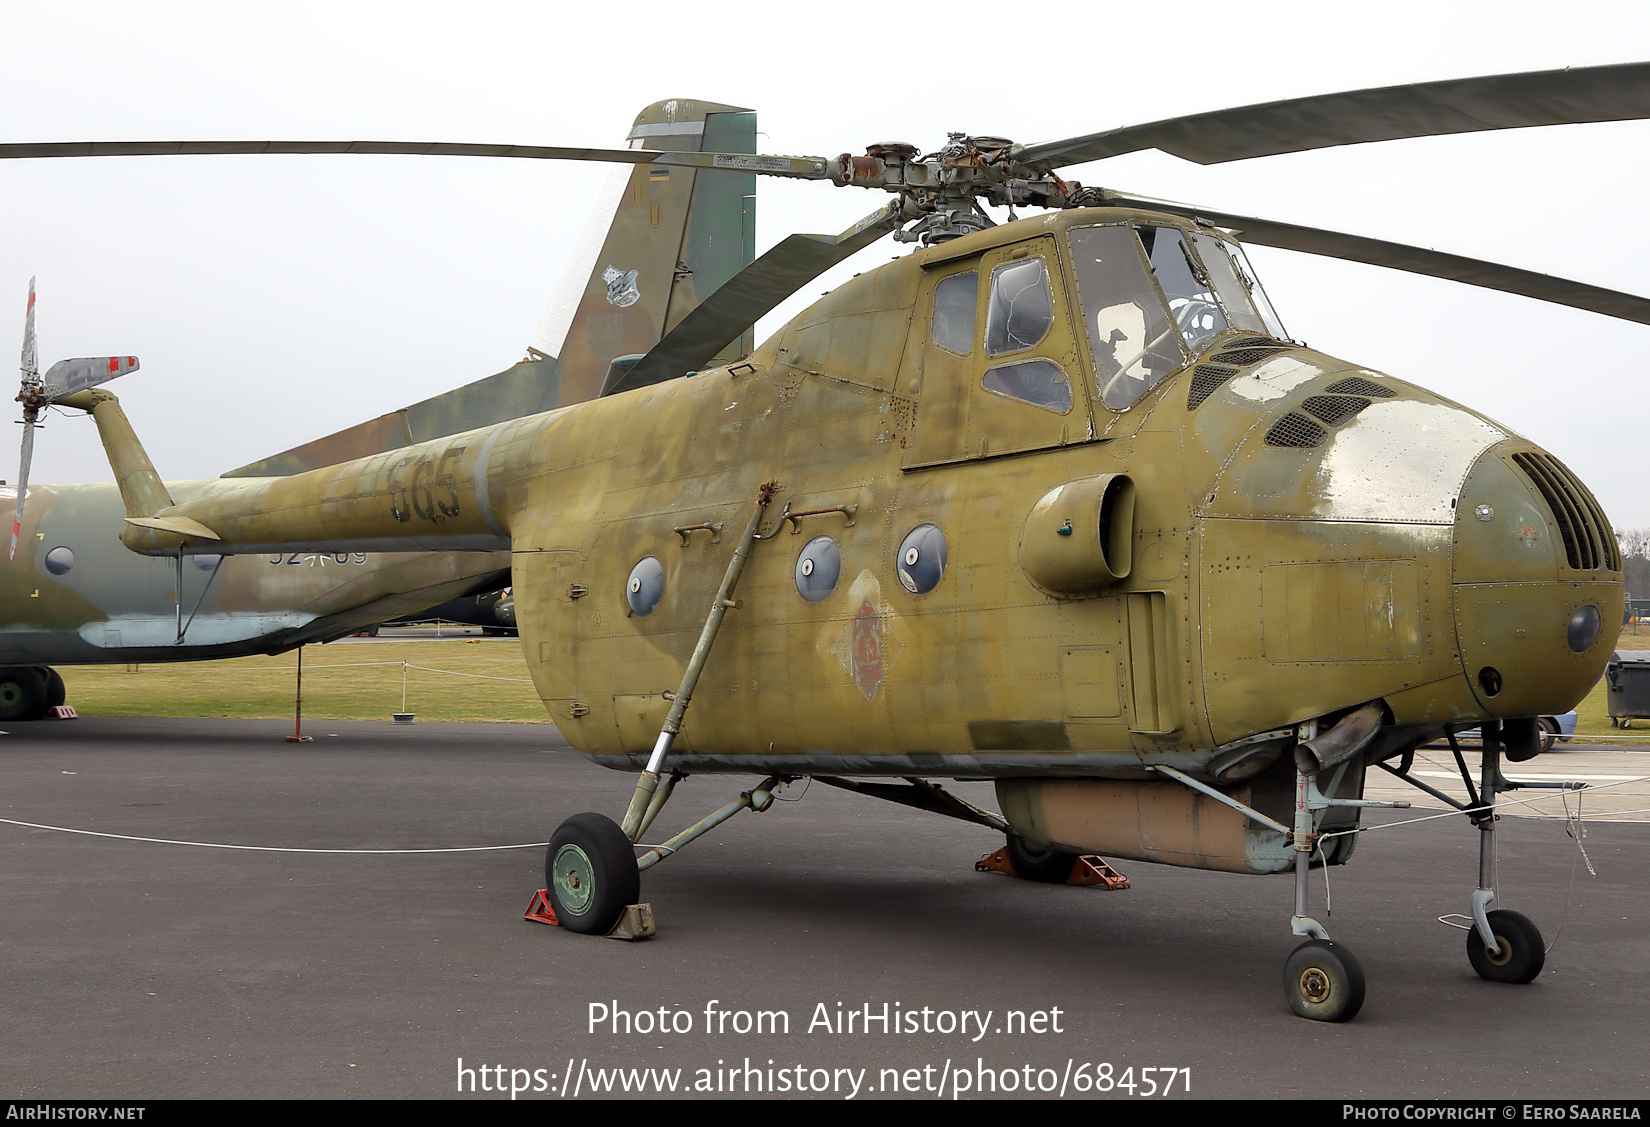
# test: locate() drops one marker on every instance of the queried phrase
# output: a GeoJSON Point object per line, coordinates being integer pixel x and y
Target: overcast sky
{"type": "Point", "coordinates": [275, 299]}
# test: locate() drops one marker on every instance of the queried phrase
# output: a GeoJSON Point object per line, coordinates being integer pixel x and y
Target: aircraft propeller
{"type": "Point", "coordinates": [39, 392]}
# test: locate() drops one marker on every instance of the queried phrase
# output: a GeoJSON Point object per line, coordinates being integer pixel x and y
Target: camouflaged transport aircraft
{"type": "Point", "coordinates": [72, 595]}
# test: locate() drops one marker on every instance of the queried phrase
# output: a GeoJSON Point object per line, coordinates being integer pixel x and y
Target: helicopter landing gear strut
{"type": "Point", "coordinates": [592, 876]}
{"type": "Point", "coordinates": [1502, 946]}
{"type": "Point", "coordinates": [1322, 979]}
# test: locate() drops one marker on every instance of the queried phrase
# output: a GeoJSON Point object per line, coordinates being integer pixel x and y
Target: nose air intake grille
{"type": "Point", "coordinates": [1334, 409]}
{"type": "Point", "coordinates": [1243, 357]}
{"type": "Point", "coordinates": [1295, 430]}
{"type": "Point", "coordinates": [1357, 385]}
{"type": "Point", "coordinates": [1206, 380]}
{"type": "Point", "coordinates": [1208, 376]}
{"type": "Point", "coordinates": [1589, 543]}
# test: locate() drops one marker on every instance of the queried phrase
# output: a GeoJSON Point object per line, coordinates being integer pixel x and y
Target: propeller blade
{"type": "Point", "coordinates": [1619, 92]}
{"type": "Point", "coordinates": [802, 168]}
{"type": "Point", "coordinates": [757, 289]}
{"type": "Point", "coordinates": [30, 365]}
{"type": "Point", "coordinates": [1415, 260]}
{"type": "Point", "coordinates": [22, 485]}
{"type": "Point", "coordinates": [68, 376]}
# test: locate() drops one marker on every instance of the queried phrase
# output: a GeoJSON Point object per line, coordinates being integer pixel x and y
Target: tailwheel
{"type": "Point", "coordinates": [1522, 953]}
{"type": "Point", "coordinates": [1324, 981]}
{"type": "Point", "coordinates": [1031, 863]}
{"type": "Point", "coordinates": [591, 875]}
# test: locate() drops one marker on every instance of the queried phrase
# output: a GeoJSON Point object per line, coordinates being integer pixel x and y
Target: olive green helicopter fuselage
{"type": "Point", "coordinates": [1058, 502]}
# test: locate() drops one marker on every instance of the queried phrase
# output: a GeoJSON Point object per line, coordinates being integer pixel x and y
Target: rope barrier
{"type": "Point", "coordinates": [271, 848]}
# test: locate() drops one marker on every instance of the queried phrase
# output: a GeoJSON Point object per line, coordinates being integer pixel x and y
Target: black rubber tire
{"type": "Point", "coordinates": [598, 874]}
{"type": "Point", "coordinates": [1324, 981]}
{"type": "Point", "coordinates": [1031, 863]}
{"type": "Point", "coordinates": [1523, 953]}
{"type": "Point", "coordinates": [56, 692]}
{"type": "Point", "coordinates": [22, 694]}
{"type": "Point", "coordinates": [1550, 732]}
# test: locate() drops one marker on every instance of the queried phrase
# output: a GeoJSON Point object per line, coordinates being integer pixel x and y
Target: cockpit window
{"type": "Point", "coordinates": [1134, 341]}
{"type": "Point", "coordinates": [1224, 275]}
{"type": "Point", "coordinates": [1251, 281]}
{"type": "Point", "coordinates": [954, 300]}
{"type": "Point", "coordinates": [1021, 309]}
{"type": "Point", "coordinates": [1185, 283]}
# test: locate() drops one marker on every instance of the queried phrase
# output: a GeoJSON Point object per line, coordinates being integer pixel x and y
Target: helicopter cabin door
{"type": "Point", "coordinates": [1000, 373]}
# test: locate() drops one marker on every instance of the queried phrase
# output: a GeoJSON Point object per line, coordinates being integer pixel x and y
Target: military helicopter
{"type": "Point", "coordinates": [1057, 503]}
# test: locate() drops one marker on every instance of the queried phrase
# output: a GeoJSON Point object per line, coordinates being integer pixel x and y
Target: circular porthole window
{"type": "Point", "coordinates": [921, 559]}
{"type": "Point", "coordinates": [645, 587]}
{"type": "Point", "coordinates": [59, 560]}
{"type": "Point", "coordinates": [818, 568]}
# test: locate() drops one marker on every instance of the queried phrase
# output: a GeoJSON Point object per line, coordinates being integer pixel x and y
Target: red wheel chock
{"type": "Point", "coordinates": [1087, 870]}
{"type": "Point", "coordinates": [1091, 869]}
{"type": "Point", "coordinates": [540, 911]}
{"type": "Point", "coordinates": [61, 712]}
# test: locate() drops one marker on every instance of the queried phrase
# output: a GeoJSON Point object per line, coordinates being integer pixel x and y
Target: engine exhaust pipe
{"type": "Point", "coordinates": [1340, 743]}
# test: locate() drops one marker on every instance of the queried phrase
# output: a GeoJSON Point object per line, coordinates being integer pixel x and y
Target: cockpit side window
{"type": "Point", "coordinates": [1185, 283]}
{"type": "Point", "coordinates": [1021, 310]}
{"type": "Point", "coordinates": [1251, 281]}
{"type": "Point", "coordinates": [1235, 295]}
{"type": "Point", "coordinates": [1134, 341]}
{"type": "Point", "coordinates": [955, 300]}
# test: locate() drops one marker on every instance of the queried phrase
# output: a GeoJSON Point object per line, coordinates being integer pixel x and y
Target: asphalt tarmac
{"type": "Point", "coordinates": [131, 970]}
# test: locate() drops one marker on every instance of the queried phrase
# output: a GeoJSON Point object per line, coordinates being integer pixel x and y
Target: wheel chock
{"type": "Point", "coordinates": [997, 862]}
{"type": "Point", "coordinates": [635, 923]}
{"type": "Point", "coordinates": [1092, 869]}
{"type": "Point", "coordinates": [540, 911]}
{"type": "Point", "coordinates": [61, 712]}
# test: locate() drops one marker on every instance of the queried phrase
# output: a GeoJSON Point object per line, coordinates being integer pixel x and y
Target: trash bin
{"type": "Point", "coordinates": [1627, 694]}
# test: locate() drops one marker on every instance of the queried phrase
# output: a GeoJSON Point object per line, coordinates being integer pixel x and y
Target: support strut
{"type": "Point", "coordinates": [642, 810]}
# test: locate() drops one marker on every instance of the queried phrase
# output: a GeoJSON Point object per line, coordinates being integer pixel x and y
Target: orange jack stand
{"type": "Point", "coordinates": [1088, 870]}
{"type": "Point", "coordinates": [540, 911]}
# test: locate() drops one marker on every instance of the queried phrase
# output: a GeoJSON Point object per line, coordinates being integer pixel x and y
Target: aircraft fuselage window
{"type": "Point", "coordinates": [1185, 283]}
{"type": "Point", "coordinates": [1042, 383]}
{"type": "Point", "coordinates": [955, 300]}
{"type": "Point", "coordinates": [1021, 309]}
{"type": "Point", "coordinates": [1134, 341]}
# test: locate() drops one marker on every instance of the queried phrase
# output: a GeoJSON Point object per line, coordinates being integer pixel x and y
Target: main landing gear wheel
{"type": "Point", "coordinates": [1522, 956]}
{"type": "Point", "coordinates": [1031, 863]}
{"type": "Point", "coordinates": [56, 692]}
{"type": "Point", "coordinates": [22, 694]}
{"type": "Point", "coordinates": [590, 872]}
{"type": "Point", "coordinates": [1324, 981]}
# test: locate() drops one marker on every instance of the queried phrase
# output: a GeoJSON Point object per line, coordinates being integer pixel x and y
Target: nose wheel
{"type": "Point", "coordinates": [1324, 981]}
{"type": "Point", "coordinates": [1520, 953]}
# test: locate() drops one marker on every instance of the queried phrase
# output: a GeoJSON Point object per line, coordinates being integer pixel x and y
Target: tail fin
{"type": "Point", "coordinates": [658, 241]}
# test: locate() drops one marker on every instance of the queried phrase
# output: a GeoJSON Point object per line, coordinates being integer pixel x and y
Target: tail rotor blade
{"type": "Point", "coordinates": [68, 376]}
{"type": "Point", "coordinates": [30, 365]}
{"type": "Point", "coordinates": [22, 485]}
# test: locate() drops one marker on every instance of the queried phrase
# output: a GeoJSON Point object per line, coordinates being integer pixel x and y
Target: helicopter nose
{"type": "Point", "coordinates": [1537, 583]}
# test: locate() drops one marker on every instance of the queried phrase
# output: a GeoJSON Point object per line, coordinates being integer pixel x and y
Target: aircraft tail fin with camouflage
{"type": "Point", "coordinates": [658, 241]}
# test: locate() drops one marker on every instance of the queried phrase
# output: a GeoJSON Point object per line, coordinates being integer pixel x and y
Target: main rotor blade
{"type": "Point", "coordinates": [1415, 260]}
{"type": "Point", "coordinates": [803, 168]}
{"type": "Point", "coordinates": [1619, 92]}
{"type": "Point", "coordinates": [754, 291]}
